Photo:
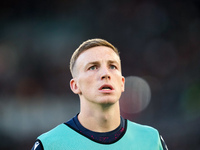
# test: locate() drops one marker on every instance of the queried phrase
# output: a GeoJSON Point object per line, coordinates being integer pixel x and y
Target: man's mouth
{"type": "Point", "coordinates": [106, 87]}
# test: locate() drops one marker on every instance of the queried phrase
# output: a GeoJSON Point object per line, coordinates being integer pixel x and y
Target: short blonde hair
{"type": "Point", "coordinates": [89, 44]}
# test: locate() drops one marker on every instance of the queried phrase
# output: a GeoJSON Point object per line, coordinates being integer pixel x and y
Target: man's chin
{"type": "Point", "coordinates": [108, 102]}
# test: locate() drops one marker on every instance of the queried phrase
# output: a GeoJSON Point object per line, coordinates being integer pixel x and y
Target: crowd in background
{"type": "Point", "coordinates": [158, 41]}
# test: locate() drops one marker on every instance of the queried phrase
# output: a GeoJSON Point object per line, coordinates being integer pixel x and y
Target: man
{"type": "Point", "coordinates": [97, 79]}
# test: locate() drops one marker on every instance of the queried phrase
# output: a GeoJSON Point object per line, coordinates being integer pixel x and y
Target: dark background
{"type": "Point", "coordinates": [158, 41]}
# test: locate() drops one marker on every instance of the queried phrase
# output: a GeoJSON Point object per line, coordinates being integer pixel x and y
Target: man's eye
{"type": "Point", "coordinates": [113, 67]}
{"type": "Point", "coordinates": [93, 68]}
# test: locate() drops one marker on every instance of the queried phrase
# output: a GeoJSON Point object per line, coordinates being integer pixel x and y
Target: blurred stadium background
{"type": "Point", "coordinates": [159, 41]}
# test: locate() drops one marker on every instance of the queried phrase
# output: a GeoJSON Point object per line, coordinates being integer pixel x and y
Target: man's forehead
{"type": "Point", "coordinates": [99, 52]}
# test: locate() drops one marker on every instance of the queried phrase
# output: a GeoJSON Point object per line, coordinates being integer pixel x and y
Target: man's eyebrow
{"type": "Point", "coordinates": [97, 62]}
{"type": "Point", "coordinates": [113, 61]}
{"type": "Point", "coordinates": [92, 62]}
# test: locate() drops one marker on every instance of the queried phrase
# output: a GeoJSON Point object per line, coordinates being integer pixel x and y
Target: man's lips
{"type": "Point", "coordinates": [106, 87]}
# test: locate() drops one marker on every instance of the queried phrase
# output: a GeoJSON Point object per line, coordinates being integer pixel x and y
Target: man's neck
{"type": "Point", "coordinates": [100, 119]}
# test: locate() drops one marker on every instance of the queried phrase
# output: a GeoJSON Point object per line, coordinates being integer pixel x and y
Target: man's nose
{"type": "Point", "coordinates": [105, 74]}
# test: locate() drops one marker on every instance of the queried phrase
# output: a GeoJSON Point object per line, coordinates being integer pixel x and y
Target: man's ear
{"type": "Point", "coordinates": [74, 87]}
{"type": "Point", "coordinates": [123, 84]}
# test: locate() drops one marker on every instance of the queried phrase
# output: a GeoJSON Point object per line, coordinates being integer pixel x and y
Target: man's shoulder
{"type": "Point", "coordinates": [60, 129]}
{"type": "Point", "coordinates": [58, 135]}
{"type": "Point", "coordinates": [141, 128]}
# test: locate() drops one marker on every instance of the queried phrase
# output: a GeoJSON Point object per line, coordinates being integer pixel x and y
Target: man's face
{"type": "Point", "coordinates": [98, 77]}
